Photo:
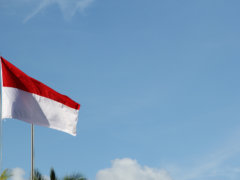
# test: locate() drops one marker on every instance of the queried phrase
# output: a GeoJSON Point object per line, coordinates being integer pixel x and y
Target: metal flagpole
{"type": "Point", "coordinates": [1, 129]}
{"type": "Point", "coordinates": [32, 152]}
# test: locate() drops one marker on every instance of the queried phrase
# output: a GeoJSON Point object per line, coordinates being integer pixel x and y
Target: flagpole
{"type": "Point", "coordinates": [32, 152]}
{"type": "Point", "coordinates": [1, 129]}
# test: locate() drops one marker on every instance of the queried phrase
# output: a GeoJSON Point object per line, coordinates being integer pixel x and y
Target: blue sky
{"type": "Point", "coordinates": [157, 81]}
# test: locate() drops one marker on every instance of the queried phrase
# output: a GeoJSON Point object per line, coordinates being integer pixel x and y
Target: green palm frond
{"type": "Point", "coordinates": [5, 174]}
{"type": "Point", "coordinates": [38, 175]}
{"type": "Point", "coordinates": [75, 177]}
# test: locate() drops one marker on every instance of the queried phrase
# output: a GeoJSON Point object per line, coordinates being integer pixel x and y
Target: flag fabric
{"type": "Point", "coordinates": [27, 99]}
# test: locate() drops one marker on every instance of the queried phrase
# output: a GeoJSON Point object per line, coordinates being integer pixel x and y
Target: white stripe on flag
{"type": "Point", "coordinates": [38, 110]}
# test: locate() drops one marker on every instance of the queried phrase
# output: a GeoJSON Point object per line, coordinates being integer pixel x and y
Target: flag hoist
{"type": "Point", "coordinates": [27, 99]}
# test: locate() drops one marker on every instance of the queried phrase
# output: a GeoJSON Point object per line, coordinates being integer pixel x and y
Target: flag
{"type": "Point", "coordinates": [27, 99]}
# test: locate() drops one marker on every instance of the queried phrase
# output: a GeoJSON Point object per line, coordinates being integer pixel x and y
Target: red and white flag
{"type": "Point", "coordinates": [27, 99]}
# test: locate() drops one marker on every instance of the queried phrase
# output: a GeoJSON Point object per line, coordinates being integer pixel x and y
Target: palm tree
{"type": "Point", "coordinates": [38, 175]}
{"type": "Point", "coordinates": [5, 174]}
{"type": "Point", "coordinates": [76, 176]}
{"type": "Point", "coordinates": [53, 175]}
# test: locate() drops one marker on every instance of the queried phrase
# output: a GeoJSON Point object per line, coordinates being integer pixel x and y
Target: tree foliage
{"type": "Point", "coordinates": [52, 174]}
{"type": "Point", "coordinates": [38, 175]}
{"type": "Point", "coordinates": [75, 176]}
{"type": "Point", "coordinates": [5, 174]}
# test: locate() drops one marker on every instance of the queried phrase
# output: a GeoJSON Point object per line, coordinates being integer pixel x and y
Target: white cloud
{"type": "Point", "coordinates": [18, 174]}
{"type": "Point", "coordinates": [128, 169]}
{"type": "Point", "coordinates": [68, 7]}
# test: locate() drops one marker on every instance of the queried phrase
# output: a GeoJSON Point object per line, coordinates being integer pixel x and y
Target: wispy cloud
{"type": "Point", "coordinates": [213, 165]}
{"type": "Point", "coordinates": [68, 7]}
{"type": "Point", "coordinates": [41, 6]}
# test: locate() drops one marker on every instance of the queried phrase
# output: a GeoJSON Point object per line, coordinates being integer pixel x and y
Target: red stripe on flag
{"type": "Point", "coordinates": [14, 77]}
